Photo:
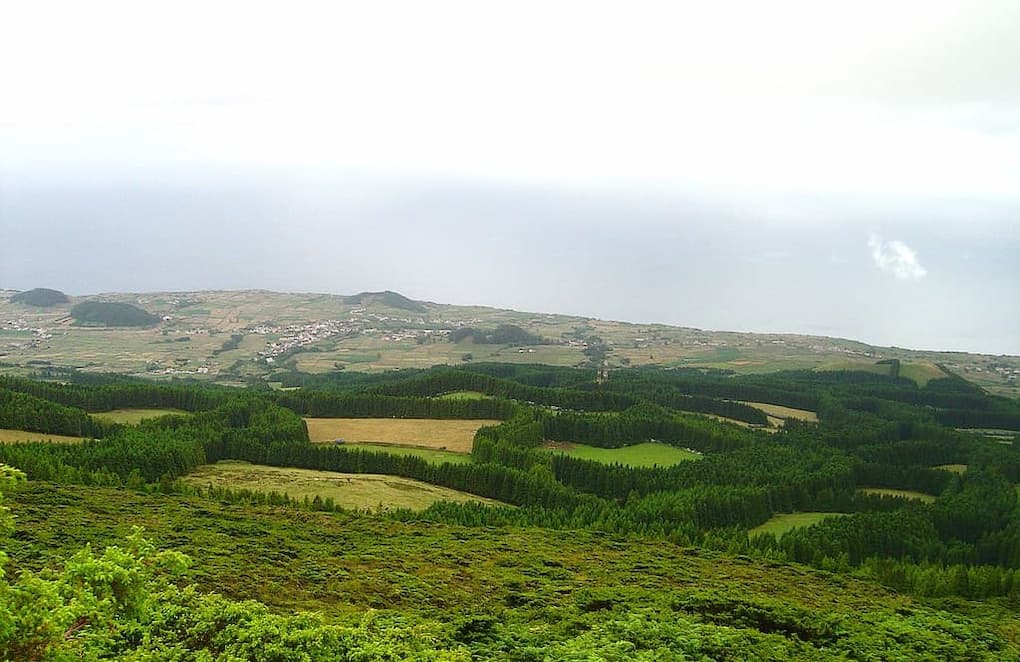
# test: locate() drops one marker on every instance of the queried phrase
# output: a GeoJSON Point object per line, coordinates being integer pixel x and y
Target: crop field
{"type": "Point", "coordinates": [906, 494]}
{"type": "Point", "coordinates": [449, 435]}
{"type": "Point", "coordinates": [778, 411]}
{"type": "Point", "coordinates": [780, 524]}
{"type": "Point", "coordinates": [648, 454]}
{"type": "Point", "coordinates": [361, 491]}
{"type": "Point", "coordinates": [134, 416]}
{"type": "Point", "coordinates": [433, 456]}
{"type": "Point", "coordinates": [15, 436]}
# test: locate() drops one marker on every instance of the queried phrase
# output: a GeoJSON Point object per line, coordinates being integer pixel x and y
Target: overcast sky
{"type": "Point", "coordinates": [847, 169]}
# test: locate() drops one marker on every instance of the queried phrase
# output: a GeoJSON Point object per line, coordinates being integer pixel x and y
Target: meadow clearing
{"type": "Point", "coordinates": [17, 436]}
{"type": "Point", "coordinates": [134, 416]}
{"type": "Point", "coordinates": [780, 524]}
{"type": "Point", "coordinates": [780, 412]}
{"type": "Point", "coordinates": [448, 435]}
{"type": "Point", "coordinates": [361, 491]}
{"type": "Point", "coordinates": [427, 454]}
{"type": "Point", "coordinates": [648, 454]}
{"type": "Point", "coordinates": [906, 494]}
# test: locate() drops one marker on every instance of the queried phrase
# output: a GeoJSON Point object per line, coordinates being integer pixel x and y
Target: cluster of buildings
{"type": "Point", "coordinates": [292, 337]}
{"type": "Point", "coordinates": [295, 336]}
{"type": "Point", "coordinates": [39, 334]}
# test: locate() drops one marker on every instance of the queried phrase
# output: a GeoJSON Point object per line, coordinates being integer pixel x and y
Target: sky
{"type": "Point", "coordinates": [843, 169]}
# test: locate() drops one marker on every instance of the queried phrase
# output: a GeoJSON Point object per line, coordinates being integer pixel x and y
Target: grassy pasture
{"type": "Point", "coordinates": [647, 454]}
{"type": "Point", "coordinates": [15, 436]}
{"type": "Point", "coordinates": [464, 395]}
{"type": "Point", "coordinates": [784, 522]}
{"type": "Point", "coordinates": [450, 435]}
{"type": "Point", "coordinates": [778, 411]}
{"type": "Point", "coordinates": [906, 494]}
{"type": "Point", "coordinates": [861, 365]}
{"type": "Point", "coordinates": [921, 373]}
{"type": "Point", "coordinates": [433, 456]}
{"type": "Point", "coordinates": [955, 468]}
{"type": "Point", "coordinates": [997, 435]}
{"type": "Point", "coordinates": [134, 416]}
{"type": "Point", "coordinates": [349, 490]}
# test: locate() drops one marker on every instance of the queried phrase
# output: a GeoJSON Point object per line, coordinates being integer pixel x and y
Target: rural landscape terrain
{"type": "Point", "coordinates": [261, 476]}
{"type": "Point", "coordinates": [229, 337]}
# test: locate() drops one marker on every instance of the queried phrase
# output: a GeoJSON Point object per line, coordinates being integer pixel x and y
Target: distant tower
{"type": "Point", "coordinates": [602, 374]}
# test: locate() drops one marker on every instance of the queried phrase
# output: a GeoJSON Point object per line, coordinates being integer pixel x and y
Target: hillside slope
{"type": "Point", "coordinates": [514, 594]}
{"type": "Point", "coordinates": [228, 336]}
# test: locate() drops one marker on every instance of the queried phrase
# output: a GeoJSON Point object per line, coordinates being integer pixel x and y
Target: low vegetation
{"type": "Point", "coordinates": [393, 590]}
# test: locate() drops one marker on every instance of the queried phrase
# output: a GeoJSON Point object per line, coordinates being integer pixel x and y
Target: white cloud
{"type": "Point", "coordinates": [896, 258]}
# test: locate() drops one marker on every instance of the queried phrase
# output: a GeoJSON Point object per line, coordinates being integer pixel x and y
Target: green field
{"type": "Point", "coordinates": [361, 491]}
{"type": "Point", "coordinates": [134, 416]}
{"type": "Point", "coordinates": [648, 454]}
{"type": "Point", "coordinates": [921, 373]}
{"type": "Point", "coordinates": [16, 436]}
{"type": "Point", "coordinates": [906, 494]}
{"type": "Point", "coordinates": [954, 468]}
{"type": "Point", "coordinates": [463, 395]}
{"type": "Point", "coordinates": [780, 524]}
{"type": "Point", "coordinates": [434, 456]}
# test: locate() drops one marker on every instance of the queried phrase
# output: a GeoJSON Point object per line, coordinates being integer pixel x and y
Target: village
{"type": "Point", "coordinates": [293, 337]}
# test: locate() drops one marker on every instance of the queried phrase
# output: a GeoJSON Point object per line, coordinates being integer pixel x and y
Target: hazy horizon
{"type": "Point", "coordinates": [840, 171]}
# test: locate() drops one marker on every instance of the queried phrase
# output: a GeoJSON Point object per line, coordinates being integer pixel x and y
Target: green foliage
{"type": "Point", "coordinates": [504, 334]}
{"type": "Point", "coordinates": [108, 313]}
{"type": "Point", "coordinates": [232, 343]}
{"type": "Point", "coordinates": [40, 297]}
{"type": "Point", "coordinates": [386, 298]}
{"type": "Point", "coordinates": [511, 582]}
{"type": "Point", "coordinates": [420, 591]}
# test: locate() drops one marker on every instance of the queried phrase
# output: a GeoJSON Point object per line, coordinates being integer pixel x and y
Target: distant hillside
{"type": "Point", "coordinates": [387, 298]}
{"type": "Point", "coordinates": [41, 297]}
{"type": "Point", "coordinates": [106, 313]}
{"type": "Point", "coordinates": [380, 331]}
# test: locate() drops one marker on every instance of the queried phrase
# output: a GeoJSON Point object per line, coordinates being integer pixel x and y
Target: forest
{"type": "Point", "coordinates": [923, 528]}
